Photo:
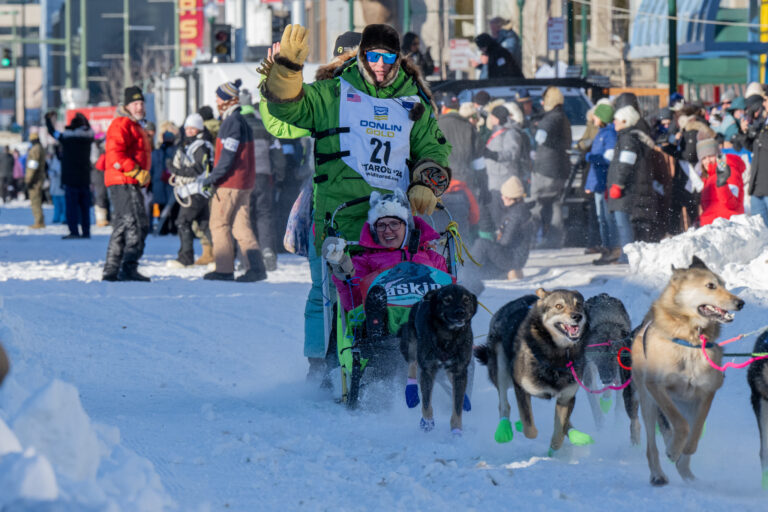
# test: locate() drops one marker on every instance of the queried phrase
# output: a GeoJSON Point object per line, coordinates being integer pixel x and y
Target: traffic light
{"type": "Point", "coordinates": [221, 43]}
{"type": "Point", "coordinates": [7, 60]}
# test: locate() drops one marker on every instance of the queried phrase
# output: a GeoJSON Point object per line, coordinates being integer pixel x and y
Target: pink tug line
{"type": "Point", "coordinates": [730, 364]}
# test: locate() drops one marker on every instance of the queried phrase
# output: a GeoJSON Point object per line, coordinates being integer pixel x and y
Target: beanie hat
{"type": "Point", "coordinates": [229, 90]}
{"type": "Point", "coordinates": [34, 136]}
{"type": "Point", "coordinates": [500, 113]}
{"type": "Point", "coordinates": [194, 121]}
{"type": "Point", "coordinates": [379, 36]}
{"type": "Point", "coordinates": [394, 205]}
{"type": "Point", "coordinates": [627, 114]}
{"type": "Point", "coordinates": [482, 98]}
{"type": "Point", "coordinates": [484, 41]}
{"type": "Point", "coordinates": [754, 89]}
{"type": "Point", "coordinates": [513, 188]}
{"type": "Point", "coordinates": [604, 113]}
{"type": "Point", "coordinates": [245, 97]}
{"type": "Point", "coordinates": [737, 104]}
{"type": "Point", "coordinates": [552, 98]}
{"type": "Point", "coordinates": [451, 101]}
{"type": "Point", "coordinates": [346, 42]}
{"type": "Point", "coordinates": [132, 93]}
{"type": "Point", "coordinates": [467, 109]}
{"type": "Point", "coordinates": [624, 99]}
{"type": "Point", "coordinates": [514, 112]}
{"type": "Point", "coordinates": [676, 102]}
{"type": "Point", "coordinates": [705, 148]}
{"type": "Point", "coordinates": [727, 96]}
{"type": "Point", "coordinates": [665, 113]}
{"type": "Point", "coordinates": [205, 112]}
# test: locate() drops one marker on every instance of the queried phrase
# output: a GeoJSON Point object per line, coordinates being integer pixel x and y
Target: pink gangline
{"type": "Point", "coordinates": [615, 388]}
{"type": "Point", "coordinates": [727, 365]}
{"type": "Point", "coordinates": [607, 344]}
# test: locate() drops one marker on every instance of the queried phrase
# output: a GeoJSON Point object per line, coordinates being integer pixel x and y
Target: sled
{"type": "Point", "coordinates": [361, 359]}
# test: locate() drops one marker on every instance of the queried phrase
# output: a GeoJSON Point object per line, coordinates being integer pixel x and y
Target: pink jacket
{"type": "Point", "coordinates": [377, 257]}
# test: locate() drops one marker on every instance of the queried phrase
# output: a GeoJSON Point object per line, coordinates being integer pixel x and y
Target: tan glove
{"type": "Point", "coordinates": [423, 200]}
{"type": "Point", "coordinates": [284, 80]}
{"type": "Point", "coordinates": [140, 175]}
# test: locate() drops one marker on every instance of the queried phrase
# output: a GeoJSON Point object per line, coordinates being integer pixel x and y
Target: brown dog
{"type": "Point", "coordinates": [673, 381]}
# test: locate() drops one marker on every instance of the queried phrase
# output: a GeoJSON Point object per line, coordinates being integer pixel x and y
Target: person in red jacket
{"type": "Point", "coordinates": [126, 171]}
{"type": "Point", "coordinates": [723, 192]}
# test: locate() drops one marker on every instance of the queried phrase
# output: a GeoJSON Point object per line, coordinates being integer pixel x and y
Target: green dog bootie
{"type": "Point", "coordinates": [605, 404]}
{"type": "Point", "coordinates": [551, 452]}
{"type": "Point", "coordinates": [765, 479]}
{"type": "Point", "coordinates": [519, 426]}
{"type": "Point", "coordinates": [504, 432]}
{"type": "Point", "coordinates": [579, 438]}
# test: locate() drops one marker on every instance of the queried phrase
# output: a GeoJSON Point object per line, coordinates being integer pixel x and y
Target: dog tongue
{"type": "Point", "coordinates": [571, 329]}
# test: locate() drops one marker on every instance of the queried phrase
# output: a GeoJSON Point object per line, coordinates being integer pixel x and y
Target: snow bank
{"type": "Point", "coordinates": [737, 249]}
{"type": "Point", "coordinates": [53, 453]}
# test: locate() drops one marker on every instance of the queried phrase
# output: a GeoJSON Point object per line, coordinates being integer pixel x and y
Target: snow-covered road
{"type": "Point", "coordinates": [206, 381]}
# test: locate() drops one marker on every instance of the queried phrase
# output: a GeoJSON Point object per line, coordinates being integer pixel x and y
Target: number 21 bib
{"type": "Point", "coordinates": [379, 136]}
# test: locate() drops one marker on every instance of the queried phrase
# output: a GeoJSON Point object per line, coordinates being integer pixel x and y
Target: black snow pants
{"type": "Point", "coordinates": [130, 226]}
{"type": "Point", "coordinates": [262, 211]}
{"type": "Point", "coordinates": [198, 211]}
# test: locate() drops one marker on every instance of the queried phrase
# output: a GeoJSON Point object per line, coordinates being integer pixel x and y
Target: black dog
{"type": "Point", "coordinates": [438, 334]}
{"type": "Point", "coordinates": [757, 377]}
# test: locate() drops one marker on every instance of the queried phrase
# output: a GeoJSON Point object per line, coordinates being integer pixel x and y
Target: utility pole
{"type": "Point", "coordinates": [672, 27]}
{"type": "Point", "coordinates": [83, 48]}
{"type": "Point", "coordinates": [126, 45]}
{"type": "Point", "coordinates": [23, 70]}
{"type": "Point", "coordinates": [571, 36]}
{"type": "Point", "coordinates": [351, 9]}
{"type": "Point", "coordinates": [68, 45]}
{"type": "Point", "coordinates": [584, 39]}
{"type": "Point", "coordinates": [176, 37]}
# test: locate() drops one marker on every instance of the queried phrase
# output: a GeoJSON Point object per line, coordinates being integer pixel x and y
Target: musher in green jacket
{"type": "Point", "coordinates": [374, 127]}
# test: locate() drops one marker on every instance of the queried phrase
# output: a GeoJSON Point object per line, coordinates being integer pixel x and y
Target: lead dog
{"type": "Point", "coordinates": [438, 334]}
{"type": "Point", "coordinates": [757, 377]}
{"type": "Point", "coordinates": [530, 343]}
{"type": "Point", "coordinates": [673, 381]}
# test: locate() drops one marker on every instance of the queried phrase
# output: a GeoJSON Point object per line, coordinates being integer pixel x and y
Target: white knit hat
{"type": "Point", "coordinates": [514, 112]}
{"type": "Point", "coordinates": [628, 114]}
{"type": "Point", "coordinates": [754, 89]}
{"type": "Point", "coordinates": [389, 205]}
{"type": "Point", "coordinates": [194, 121]}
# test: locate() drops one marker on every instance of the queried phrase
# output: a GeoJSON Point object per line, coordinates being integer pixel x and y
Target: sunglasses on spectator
{"type": "Point", "coordinates": [393, 225]}
{"type": "Point", "coordinates": [389, 58]}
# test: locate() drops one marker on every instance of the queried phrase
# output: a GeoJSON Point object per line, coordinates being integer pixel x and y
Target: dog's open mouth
{"type": "Point", "coordinates": [716, 313]}
{"type": "Point", "coordinates": [573, 331]}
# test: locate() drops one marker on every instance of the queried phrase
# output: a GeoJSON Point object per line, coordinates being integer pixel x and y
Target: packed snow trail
{"type": "Point", "coordinates": [207, 382]}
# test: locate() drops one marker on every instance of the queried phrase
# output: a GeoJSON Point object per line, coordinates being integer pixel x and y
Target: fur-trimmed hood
{"type": "Point", "coordinates": [328, 71]}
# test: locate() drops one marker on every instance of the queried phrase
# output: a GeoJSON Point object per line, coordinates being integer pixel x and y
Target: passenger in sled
{"type": "Point", "coordinates": [394, 264]}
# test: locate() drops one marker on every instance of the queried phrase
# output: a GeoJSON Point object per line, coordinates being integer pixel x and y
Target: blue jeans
{"type": "Point", "coordinates": [59, 209]}
{"type": "Point", "coordinates": [759, 206]}
{"type": "Point", "coordinates": [314, 329]}
{"type": "Point", "coordinates": [605, 221]}
{"type": "Point", "coordinates": [624, 231]}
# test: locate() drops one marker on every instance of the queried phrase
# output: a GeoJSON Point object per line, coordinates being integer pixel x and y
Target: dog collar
{"type": "Point", "coordinates": [686, 343]}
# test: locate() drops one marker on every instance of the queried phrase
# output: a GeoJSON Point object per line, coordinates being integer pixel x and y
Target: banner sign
{"type": "Point", "coordinates": [191, 25]}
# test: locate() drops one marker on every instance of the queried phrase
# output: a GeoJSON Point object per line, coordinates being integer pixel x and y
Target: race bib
{"type": "Point", "coordinates": [379, 136]}
{"type": "Point", "coordinates": [406, 283]}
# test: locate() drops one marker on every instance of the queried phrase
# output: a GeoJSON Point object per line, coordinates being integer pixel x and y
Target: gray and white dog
{"type": "Point", "coordinates": [609, 331]}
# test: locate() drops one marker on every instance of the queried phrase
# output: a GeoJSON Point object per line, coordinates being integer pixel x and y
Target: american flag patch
{"type": "Point", "coordinates": [353, 97]}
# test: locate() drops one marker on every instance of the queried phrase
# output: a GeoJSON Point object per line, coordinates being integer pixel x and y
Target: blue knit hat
{"type": "Point", "coordinates": [229, 90]}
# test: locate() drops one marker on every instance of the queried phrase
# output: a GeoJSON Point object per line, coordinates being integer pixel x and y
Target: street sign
{"type": "Point", "coordinates": [555, 34]}
{"type": "Point", "coordinates": [459, 54]}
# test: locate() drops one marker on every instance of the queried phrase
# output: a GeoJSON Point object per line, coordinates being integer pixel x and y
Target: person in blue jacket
{"type": "Point", "coordinates": [599, 158]}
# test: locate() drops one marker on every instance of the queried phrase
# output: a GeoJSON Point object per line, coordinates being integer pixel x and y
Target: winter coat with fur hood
{"type": "Point", "coordinates": [127, 147]}
{"type": "Point", "coordinates": [508, 149]}
{"type": "Point", "coordinates": [377, 257]}
{"type": "Point", "coordinates": [317, 109]}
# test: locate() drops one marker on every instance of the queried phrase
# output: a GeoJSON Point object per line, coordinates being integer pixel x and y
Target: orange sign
{"type": "Point", "coordinates": [190, 30]}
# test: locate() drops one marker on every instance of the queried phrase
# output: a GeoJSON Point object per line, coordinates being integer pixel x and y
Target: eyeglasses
{"type": "Point", "coordinates": [394, 225]}
{"type": "Point", "coordinates": [389, 58]}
